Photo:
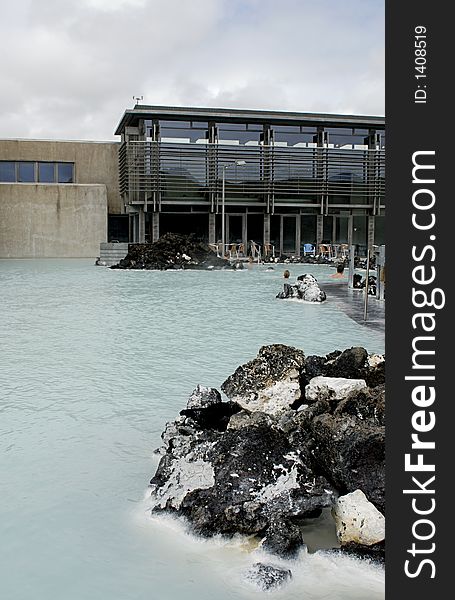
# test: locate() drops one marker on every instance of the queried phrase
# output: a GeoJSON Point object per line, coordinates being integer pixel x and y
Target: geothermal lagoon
{"type": "Point", "coordinates": [94, 363]}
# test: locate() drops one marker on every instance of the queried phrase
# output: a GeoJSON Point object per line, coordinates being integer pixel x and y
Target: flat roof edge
{"type": "Point", "coordinates": [144, 111]}
{"type": "Point", "coordinates": [6, 139]}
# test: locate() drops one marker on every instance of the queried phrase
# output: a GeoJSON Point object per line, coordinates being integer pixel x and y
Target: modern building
{"type": "Point", "coordinates": [281, 179]}
{"type": "Point", "coordinates": [289, 178]}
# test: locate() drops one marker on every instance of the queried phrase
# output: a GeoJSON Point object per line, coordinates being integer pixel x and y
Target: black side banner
{"type": "Point", "coordinates": [420, 242]}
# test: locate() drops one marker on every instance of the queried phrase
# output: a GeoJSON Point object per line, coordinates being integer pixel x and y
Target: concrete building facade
{"type": "Point", "coordinates": [52, 221]}
{"type": "Point", "coordinates": [57, 197]}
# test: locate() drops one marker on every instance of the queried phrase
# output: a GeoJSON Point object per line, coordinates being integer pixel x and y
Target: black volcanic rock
{"type": "Point", "coordinates": [259, 463]}
{"type": "Point", "coordinates": [171, 251]}
{"type": "Point", "coordinates": [268, 577]}
{"type": "Point", "coordinates": [352, 363]}
{"type": "Point", "coordinates": [251, 385]}
{"type": "Point", "coordinates": [258, 479]}
{"type": "Point", "coordinates": [284, 538]}
{"type": "Point", "coordinates": [351, 453]}
{"type": "Point", "coordinates": [306, 288]}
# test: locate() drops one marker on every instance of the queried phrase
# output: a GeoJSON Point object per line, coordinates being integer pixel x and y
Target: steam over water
{"type": "Point", "coordinates": [94, 362]}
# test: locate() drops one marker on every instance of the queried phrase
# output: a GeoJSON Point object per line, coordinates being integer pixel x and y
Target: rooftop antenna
{"type": "Point", "coordinates": [138, 99]}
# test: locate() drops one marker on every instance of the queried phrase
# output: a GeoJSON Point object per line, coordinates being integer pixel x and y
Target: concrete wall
{"type": "Point", "coordinates": [45, 220]}
{"type": "Point", "coordinates": [94, 162]}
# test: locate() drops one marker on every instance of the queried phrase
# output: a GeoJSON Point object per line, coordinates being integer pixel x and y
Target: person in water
{"type": "Point", "coordinates": [340, 272]}
{"type": "Point", "coordinates": [286, 285]}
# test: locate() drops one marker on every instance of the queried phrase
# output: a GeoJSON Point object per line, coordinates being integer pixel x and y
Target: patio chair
{"type": "Point", "coordinates": [255, 250]}
{"type": "Point", "coordinates": [325, 250]}
{"type": "Point", "coordinates": [215, 248]}
{"type": "Point", "coordinates": [269, 250]}
{"type": "Point", "coordinates": [233, 252]}
{"type": "Point", "coordinates": [309, 249]}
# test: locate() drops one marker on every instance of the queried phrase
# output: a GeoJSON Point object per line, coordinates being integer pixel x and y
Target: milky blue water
{"type": "Point", "coordinates": [93, 363]}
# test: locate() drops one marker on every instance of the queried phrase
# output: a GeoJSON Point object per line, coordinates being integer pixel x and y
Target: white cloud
{"type": "Point", "coordinates": [73, 67]}
{"type": "Point", "coordinates": [113, 5]}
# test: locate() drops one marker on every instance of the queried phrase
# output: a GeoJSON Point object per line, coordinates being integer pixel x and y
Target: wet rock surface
{"type": "Point", "coordinates": [275, 454]}
{"type": "Point", "coordinates": [172, 251]}
{"type": "Point", "coordinates": [306, 288]}
{"type": "Point", "coordinates": [351, 451]}
{"type": "Point", "coordinates": [269, 383]}
{"type": "Point", "coordinates": [267, 577]}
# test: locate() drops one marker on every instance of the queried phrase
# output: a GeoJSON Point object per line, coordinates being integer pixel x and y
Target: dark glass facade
{"type": "Point", "coordinates": [298, 170]}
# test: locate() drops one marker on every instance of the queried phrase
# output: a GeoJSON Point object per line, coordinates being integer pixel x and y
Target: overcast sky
{"type": "Point", "coordinates": [70, 68]}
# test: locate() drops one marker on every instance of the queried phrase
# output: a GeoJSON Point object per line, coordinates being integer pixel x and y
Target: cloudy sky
{"type": "Point", "coordinates": [70, 68]}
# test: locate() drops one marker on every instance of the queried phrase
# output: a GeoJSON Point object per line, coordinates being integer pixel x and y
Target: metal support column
{"type": "Point", "coordinates": [380, 272]}
{"type": "Point", "coordinates": [212, 228]}
{"type": "Point", "coordinates": [371, 223]}
{"type": "Point", "coordinates": [298, 229]}
{"type": "Point", "coordinates": [350, 229]}
{"type": "Point", "coordinates": [351, 266]}
{"type": "Point", "coordinates": [212, 166]}
{"type": "Point", "coordinates": [319, 230]}
{"type": "Point", "coordinates": [245, 233]}
{"type": "Point", "coordinates": [281, 236]}
{"type": "Point", "coordinates": [227, 217]}
{"type": "Point", "coordinates": [367, 277]}
{"type": "Point", "coordinates": [155, 226]}
{"type": "Point", "coordinates": [141, 226]}
{"type": "Point", "coordinates": [266, 228]}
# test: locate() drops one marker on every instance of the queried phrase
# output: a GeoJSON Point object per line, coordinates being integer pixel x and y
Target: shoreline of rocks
{"type": "Point", "coordinates": [296, 435]}
{"type": "Point", "coordinates": [179, 251]}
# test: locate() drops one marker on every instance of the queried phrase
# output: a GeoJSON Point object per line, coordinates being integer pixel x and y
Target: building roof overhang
{"type": "Point", "coordinates": [132, 117]}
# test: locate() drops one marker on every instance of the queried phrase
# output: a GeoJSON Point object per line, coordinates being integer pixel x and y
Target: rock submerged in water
{"type": "Point", "coordinates": [281, 449]}
{"type": "Point", "coordinates": [306, 288]}
{"type": "Point", "coordinates": [172, 251]}
{"type": "Point", "coordinates": [267, 577]}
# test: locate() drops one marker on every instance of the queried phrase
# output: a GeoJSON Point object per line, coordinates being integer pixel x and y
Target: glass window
{"type": "Point", "coordinates": [26, 172]}
{"type": "Point", "coordinates": [293, 135]}
{"type": "Point", "coordinates": [327, 229]}
{"type": "Point", "coordinates": [360, 233]}
{"type": "Point", "coordinates": [199, 125]}
{"type": "Point", "coordinates": [7, 172]}
{"type": "Point", "coordinates": [46, 172]}
{"type": "Point", "coordinates": [176, 124]}
{"type": "Point", "coordinates": [183, 172]}
{"type": "Point", "coordinates": [181, 124]}
{"type": "Point", "coordinates": [379, 230]}
{"type": "Point", "coordinates": [182, 132]}
{"type": "Point", "coordinates": [239, 137]}
{"type": "Point", "coordinates": [231, 126]}
{"type": "Point", "coordinates": [239, 133]}
{"type": "Point", "coordinates": [175, 136]}
{"type": "Point", "coordinates": [65, 173]}
{"type": "Point", "coordinates": [308, 229]}
{"type": "Point", "coordinates": [342, 137]}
